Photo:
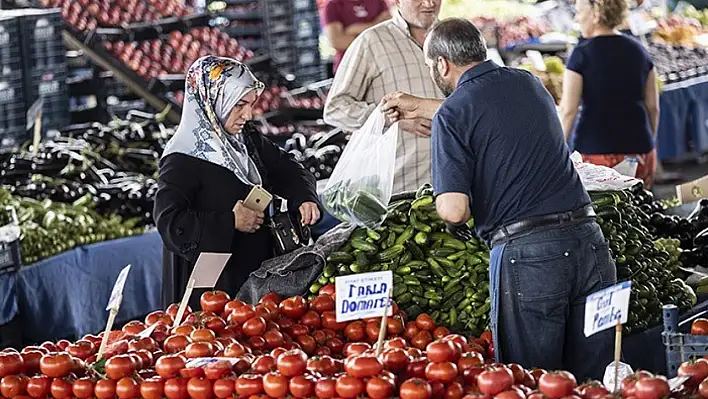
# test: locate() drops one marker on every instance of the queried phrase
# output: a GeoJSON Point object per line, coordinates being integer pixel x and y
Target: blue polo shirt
{"type": "Point", "coordinates": [498, 139]}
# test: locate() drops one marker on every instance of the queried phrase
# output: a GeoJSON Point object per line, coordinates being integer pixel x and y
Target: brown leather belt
{"type": "Point", "coordinates": [513, 229]}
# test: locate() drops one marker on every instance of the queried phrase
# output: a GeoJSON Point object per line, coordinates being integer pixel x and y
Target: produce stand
{"type": "Point", "coordinates": [65, 295]}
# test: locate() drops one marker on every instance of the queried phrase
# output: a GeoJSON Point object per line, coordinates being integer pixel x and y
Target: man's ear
{"type": "Point", "coordinates": [443, 66]}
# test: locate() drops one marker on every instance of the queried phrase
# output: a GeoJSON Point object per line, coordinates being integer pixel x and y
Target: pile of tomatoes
{"type": "Point", "coordinates": [287, 348]}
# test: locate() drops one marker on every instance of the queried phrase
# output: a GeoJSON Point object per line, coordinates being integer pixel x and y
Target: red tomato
{"type": "Point", "coordinates": [293, 307]}
{"type": "Point", "coordinates": [469, 360]}
{"type": "Point", "coordinates": [264, 364]}
{"type": "Point", "coordinates": [292, 363]}
{"type": "Point", "coordinates": [83, 388]}
{"type": "Point", "coordinates": [324, 365]}
{"type": "Point", "coordinates": [235, 350]}
{"type": "Point", "coordinates": [152, 388]}
{"type": "Point", "coordinates": [273, 297]}
{"type": "Point", "coordinates": [13, 385]}
{"type": "Point", "coordinates": [411, 330]}
{"type": "Point", "coordinates": [349, 387]}
{"type": "Point", "coordinates": [127, 388]}
{"type": "Point", "coordinates": [697, 370]}
{"type": "Point", "coordinates": [416, 368]}
{"type": "Point", "coordinates": [363, 366]}
{"type": "Point", "coordinates": [275, 385]}
{"type": "Point", "coordinates": [249, 384]}
{"type": "Point", "coordinates": [510, 394]}
{"type": "Point", "coordinates": [312, 320]}
{"type": "Point", "coordinates": [217, 370]}
{"type": "Point", "coordinates": [397, 342]}
{"type": "Point", "coordinates": [60, 389]}
{"type": "Point", "coordinates": [254, 327]}
{"type": "Point", "coordinates": [242, 314]}
{"type": "Point", "coordinates": [454, 391]}
{"type": "Point", "coordinates": [425, 322]}
{"type": "Point", "coordinates": [651, 388]}
{"type": "Point", "coordinates": [120, 366]}
{"type": "Point", "coordinates": [106, 389]}
{"type": "Point", "coordinates": [415, 388]}
{"type": "Point", "coordinates": [556, 385]}
{"type": "Point", "coordinates": [176, 343]}
{"type": "Point", "coordinates": [326, 388]}
{"type": "Point", "coordinates": [593, 390]}
{"type": "Point", "coordinates": [214, 301]}
{"type": "Point", "coordinates": [54, 365]}
{"type": "Point", "coordinates": [445, 372]}
{"type": "Point", "coordinates": [199, 349]}
{"type": "Point", "coordinates": [373, 327]}
{"type": "Point", "coordinates": [699, 327]}
{"type": "Point", "coordinates": [380, 388]}
{"type": "Point", "coordinates": [354, 331]}
{"type": "Point", "coordinates": [224, 388]}
{"type": "Point", "coordinates": [702, 389]}
{"type": "Point", "coordinates": [336, 345]}
{"type": "Point", "coordinates": [200, 388]}
{"type": "Point", "coordinates": [495, 380]}
{"type": "Point", "coordinates": [329, 322]}
{"type": "Point", "coordinates": [30, 359]}
{"type": "Point", "coordinates": [39, 386]}
{"type": "Point", "coordinates": [301, 387]}
{"type": "Point", "coordinates": [307, 343]}
{"type": "Point", "coordinates": [441, 351]}
{"type": "Point", "coordinates": [83, 349]}
{"type": "Point", "coordinates": [440, 332]}
{"type": "Point", "coordinates": [356, 348]}
{"type": "Point", "coordinates": [274, 339]}
{"type": "Point", "coordinates": [202, 335]}
{"type": "Point", "coordinates": [176, 388]}
{"type": "Point", "coordinates": [323, 303]}
{"type": "Point", "coordinates": [421, 340]}
{"type": "Point", "coordinates": [258, 343]}
{"type": "Point", "coordinates": [168, 366]}
{"type": "Point", "coordinates": [395, 359]}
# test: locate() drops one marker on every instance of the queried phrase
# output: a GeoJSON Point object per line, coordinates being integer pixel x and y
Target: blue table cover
{"type": "Point", "coordinates": [684, 116]}
{"type": "Point", "coordinates": [66, 295]}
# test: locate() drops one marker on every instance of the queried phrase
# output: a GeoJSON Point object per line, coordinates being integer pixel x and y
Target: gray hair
{"type": "Point", "coordinates": [458, 41]}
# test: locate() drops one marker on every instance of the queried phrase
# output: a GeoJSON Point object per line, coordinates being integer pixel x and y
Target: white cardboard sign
{"type": "Point", "coordinates": [605, 309]}
{"type": "Point", "coordinates": [208, 269]}
{"type": "Point", "coordinates": [117, 293]}
{"type": "Point", "coordinates": [360, 296]}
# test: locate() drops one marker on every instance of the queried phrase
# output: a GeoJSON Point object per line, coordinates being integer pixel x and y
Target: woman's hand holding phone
{"type": "Point", "coordinates": [246, 220]}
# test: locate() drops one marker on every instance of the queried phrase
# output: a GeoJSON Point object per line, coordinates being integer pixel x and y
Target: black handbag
{"type": "Point", "coordinates": [284, 224]}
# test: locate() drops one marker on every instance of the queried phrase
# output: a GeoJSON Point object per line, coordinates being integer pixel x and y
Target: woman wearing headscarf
{"type": "Point", "coordinates": [209, 167]}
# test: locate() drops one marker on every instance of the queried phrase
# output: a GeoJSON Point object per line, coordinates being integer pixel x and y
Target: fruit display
{"type": "Point", "coordinates": [90, 14]}
{"type": "Point", "coordinates": [678, 30]}
{"type": "Point", "coordinates": [689, 11]}
{"type": "Point", "coordinates": [520, 30]}
{"type": "Point", "coordinates": [176, 52]}
{"type": "Point", "coordinates": [640, 260]}
{"type": "Point", "coordinates": [294, 348]}
{"type": "Point", "coordinates": [434, 272]}
{"type": "Point", "coordinates": [552, 77]}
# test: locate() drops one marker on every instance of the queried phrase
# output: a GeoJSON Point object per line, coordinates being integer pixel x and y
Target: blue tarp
{"type": "Point", "coordinates": [66, 295]}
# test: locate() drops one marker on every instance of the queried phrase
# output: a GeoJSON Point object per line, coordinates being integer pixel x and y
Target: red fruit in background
{"type": "Point", "coordinates": [593, 390]}
{"type": "Point", "coordinates": [293, 307]}
{"type": "Point", "coordinates": [495, 380]}
{"type": "Point", "coordinates": [38, 387]}
{"type": "Point", "coordinates": [275, 385]}
{"type": "Point", "coordinates": [415, 388]}
{"type": "Point", "coordinates": [271, 297]}
{"type": "Point", "coordinates": [323, 303]}
{"type": "Point", "coordinates": [13, 385]}
{"type": "Point", "coordinates": [292, 363]}
{"type": "Point", "coordinates": [441, 351]}
{"type": "Point", "coordinates": [557, 385]}
{"type": "Point", "coordinates": [444, 372]}
{"type": "Point", "coordinates": [363, 366]}
{"type": "Point", "coordinates": [699, 327]}
{"type": "Point", "coordinates": [697, 370]}
{"type": "Point", "coordinates": [651, 388]}
{"type": "Point", "coordinates": [57, 365]}
{"type": "Point", "coordinates": [254, 327]}
{"type": "Point", "coordinates": [214, 301]}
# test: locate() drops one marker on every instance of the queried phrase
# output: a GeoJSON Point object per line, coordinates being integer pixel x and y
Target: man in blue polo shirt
{"type": "Point", "coordinates": [498, 155]}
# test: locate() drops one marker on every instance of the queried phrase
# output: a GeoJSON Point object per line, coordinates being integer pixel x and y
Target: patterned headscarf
{"type": "Point", "coordinates": [213, 87]}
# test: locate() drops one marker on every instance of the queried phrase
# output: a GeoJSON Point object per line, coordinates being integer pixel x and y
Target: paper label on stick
{"type": "Point", "coordinates": [624, 370]}
{"type": "Point", "coordinates": [360, 296]}
{"type": "Point", "coordinates": [148, 331]}
{"type": "Point", "coordinates": [607, 308]}
{"type": "Point", "coordinates": [208, 269]}
{"type": "Point", "coordinates": [205, 361]}
{"type": "Point", "coordinates": [117, 293]}
{"type": "Point", "coordinates": [33, 112]}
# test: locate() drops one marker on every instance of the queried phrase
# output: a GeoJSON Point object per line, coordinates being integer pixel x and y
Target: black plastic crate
{"type": "Point", "coordinates": [308, 57]}
{"type": "Point", "coordinates": [280, 40]}
{"type": "Point", "coordinates": [307, 43]}
{"type": "Point", "coordinates": [41, 36]}
{"type": "Point", "coordinates": [12, 109]}
{"type": "Point", "coordinates": [276, 9]}
{"type": "Point", "coordinates": [304, 5]}
{"type": "Point", "coordinates": [46, 82]}
{"type": "Point", "coordinates": [280, 25]}
{"type": "Point", "coordinates": [311, 74]}
{"type": "Point", "coordinates": [283, 58]}
{"type": "Point", "coordinates": [306, 25]}
{"type": "Point", "coordinates": [10, 47]}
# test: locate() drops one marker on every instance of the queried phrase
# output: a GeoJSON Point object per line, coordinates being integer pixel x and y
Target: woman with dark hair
{"type": "Point", "coordinates": [610, 81]}
{"type": "Point", "coordinates": [209, 167]}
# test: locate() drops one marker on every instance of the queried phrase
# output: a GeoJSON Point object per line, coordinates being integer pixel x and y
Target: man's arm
{"type": "Point", "coordinates": [452, 162]}
{"type": "Point", "coordinates": [345, 107]}
{"type": "Point", "coordinates": [651, 101]}
{"type": "Point", "coordinates": [399, 105]}
{"type": "Point", "coordinates": [570, 102]}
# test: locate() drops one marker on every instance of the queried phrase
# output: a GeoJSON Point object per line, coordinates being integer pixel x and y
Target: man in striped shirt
{"type": "Point", "coordinates": [386, 58]}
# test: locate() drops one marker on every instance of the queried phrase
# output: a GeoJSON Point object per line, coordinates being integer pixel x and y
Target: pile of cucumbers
{"type": "Point", "coordinates": [639, 259]}
{"type": "Point", "coordinates": [433, 272]}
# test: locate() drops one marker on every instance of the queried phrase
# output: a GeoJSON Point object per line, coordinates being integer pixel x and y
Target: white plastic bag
{"type": "Point", "coordinates": [601, 178]}
{"type": "Point", "coordinates": [360, 186]}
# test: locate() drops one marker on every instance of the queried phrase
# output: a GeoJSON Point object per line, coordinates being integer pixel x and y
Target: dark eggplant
{"type": "Point", "coordinates": [701, 209]}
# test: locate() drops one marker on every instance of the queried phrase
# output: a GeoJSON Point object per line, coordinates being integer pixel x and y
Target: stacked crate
{"type": "Point", "coordinates": [46, 70]}
{"type": "Point", "coordinates": [306, 35]}
{"type": "Point", "coordinates": [12, 96]}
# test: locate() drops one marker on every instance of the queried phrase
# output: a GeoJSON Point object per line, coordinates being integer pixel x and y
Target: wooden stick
{"type": "Point", "coordinates": [185, 301]}
{"type": "Point", "coordinates": [618, 353]}
{"type": "Point", "coordinates": [384, 325]}
{"type": "Point", "coordinates": [107, 332]}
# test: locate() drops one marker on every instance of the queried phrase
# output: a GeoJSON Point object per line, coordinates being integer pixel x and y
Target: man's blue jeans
{"type": "Point", "coordinates": [539, 281]}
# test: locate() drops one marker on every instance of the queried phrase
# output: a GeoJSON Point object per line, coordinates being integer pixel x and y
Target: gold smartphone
{"type": "Point", "coordinates": [258, 199]}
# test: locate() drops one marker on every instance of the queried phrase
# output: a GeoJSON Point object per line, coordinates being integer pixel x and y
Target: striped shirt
{"type": "Point", "coordinates": [384, 59]}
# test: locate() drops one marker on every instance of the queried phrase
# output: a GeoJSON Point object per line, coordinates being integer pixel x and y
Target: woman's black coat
{"type": "Point", "coordinates": [193, 212]}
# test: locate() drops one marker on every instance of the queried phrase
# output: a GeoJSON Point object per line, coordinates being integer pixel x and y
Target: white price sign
{"type": "Point", "coordinates": [360, 296]}
{"type": "Point", "coordinates": [607, 308]}
{"type": "Point", "coordinates": [117, 293]}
